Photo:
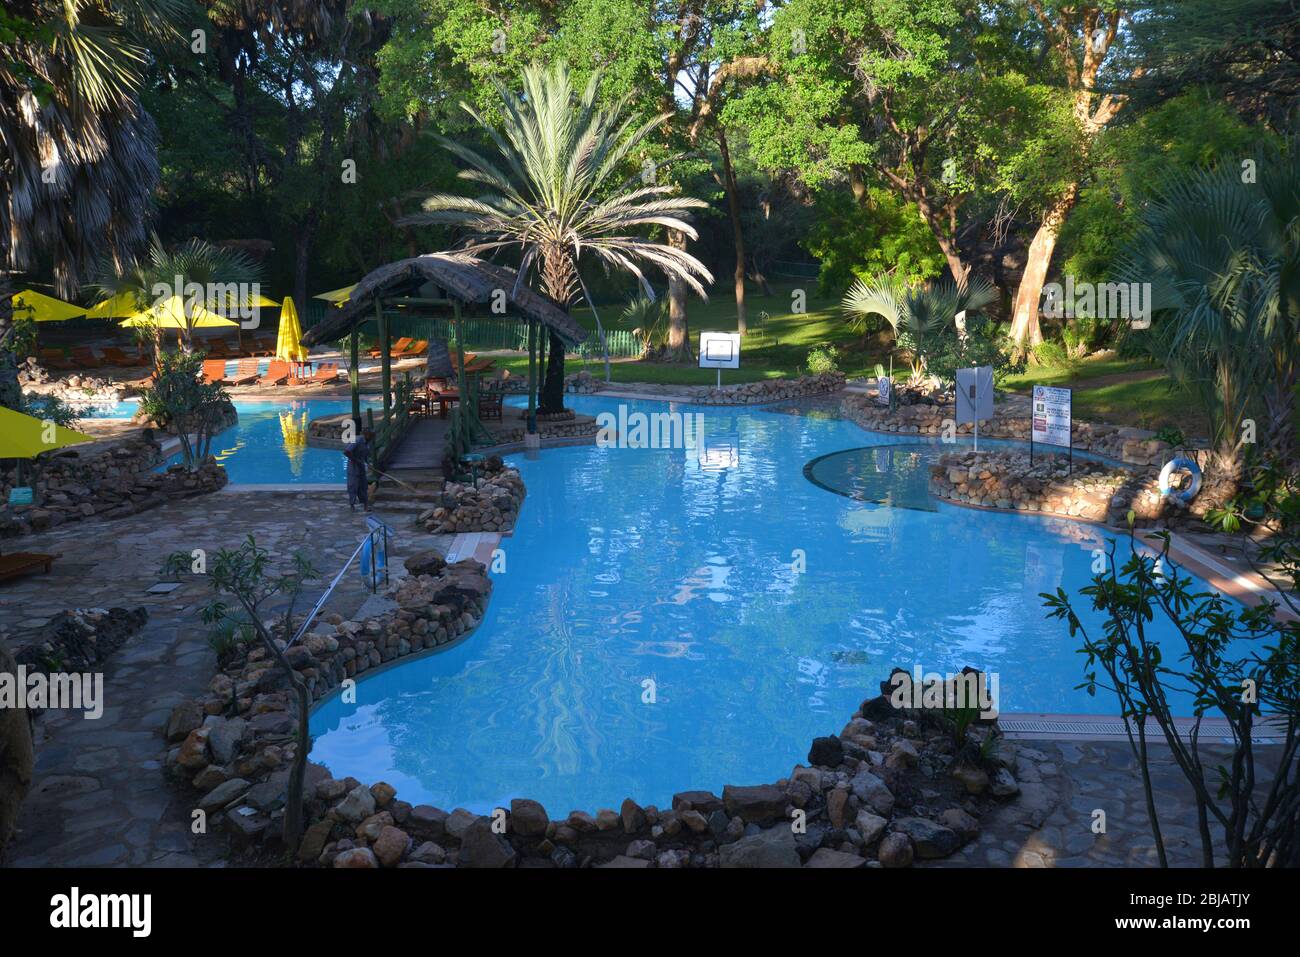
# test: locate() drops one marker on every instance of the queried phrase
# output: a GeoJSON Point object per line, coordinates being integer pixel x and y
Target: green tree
{"type": "Point", "coordinates": [1221, 250]}
{"type": "Point", "coordinates": [555, 190]}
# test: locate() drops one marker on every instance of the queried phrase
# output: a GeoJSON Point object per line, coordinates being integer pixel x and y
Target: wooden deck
{"type": "Point", "coordinates": [420, 451]}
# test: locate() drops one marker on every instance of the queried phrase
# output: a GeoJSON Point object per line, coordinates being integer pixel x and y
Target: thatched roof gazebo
{"type": "Point", "coordinates": [439, 285]}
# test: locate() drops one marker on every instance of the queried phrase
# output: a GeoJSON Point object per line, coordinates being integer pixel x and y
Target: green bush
{"type": "Point", "coordinates": [823, 359]}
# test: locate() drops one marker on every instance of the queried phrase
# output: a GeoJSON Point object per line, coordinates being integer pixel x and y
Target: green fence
{"type": "Point", "coordinates": [484, 334]}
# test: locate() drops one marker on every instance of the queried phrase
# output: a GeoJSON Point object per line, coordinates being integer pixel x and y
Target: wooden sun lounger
{"type": "Point", "coordinates": [325, 372]}
{"type": "Point", "coordinates": [16, 564]}
{"type": "Point", "coordinates": [116, 357]}
{"type": "Point", "coordinates": [55, 359]}
{"type": "Point", "coordinates": [214, 371]}
{"type": "Point", "coordinates": [245, 372]}
{"type": "Point", "coordinates": [277, 373]}
{"type": "Point", "coordinates": [83, 356]}
{"type": "Point", "coordinates": [397, 348]}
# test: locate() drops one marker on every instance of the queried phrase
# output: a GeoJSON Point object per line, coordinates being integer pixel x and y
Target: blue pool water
{"type": "Point", "coordinates": [269, 443]}
{"type": "Point", "coordinates": [636, 564]}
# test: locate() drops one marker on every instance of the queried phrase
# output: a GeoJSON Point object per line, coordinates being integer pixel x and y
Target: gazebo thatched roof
{"type": "Point", "coordinates": [463, 277]}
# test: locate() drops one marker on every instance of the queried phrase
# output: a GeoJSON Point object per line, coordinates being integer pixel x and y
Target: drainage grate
{"type": "Point", "coordinates": [1102, 728]}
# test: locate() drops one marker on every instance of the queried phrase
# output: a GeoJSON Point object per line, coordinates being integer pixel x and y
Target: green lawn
{"type": "Point", "coordinates": [779, 348]}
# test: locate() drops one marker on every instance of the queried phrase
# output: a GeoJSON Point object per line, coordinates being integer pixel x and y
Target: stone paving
{"type": "Point", "coordinates": [1063, 784]}
{"type": "Point", "coordinates": [98, 796]}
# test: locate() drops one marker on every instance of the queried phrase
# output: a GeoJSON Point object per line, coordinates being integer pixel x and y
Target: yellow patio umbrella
{"type": "Point", "coordinates": [170, 314]}
{"type": "Point", "coordinates": [288, 344]}
{"type": "Point", "coordinates": [25, 437]}
{"type": "Point", "coordinates": [46, 308]}
{"type": "Point", "coordinates": [337, 296]}
{"type": "Point", "coordinates": [123, 304]}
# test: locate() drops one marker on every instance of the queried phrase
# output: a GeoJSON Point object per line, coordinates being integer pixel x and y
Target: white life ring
{"type": "Point", "coordinates": [1180, 463]}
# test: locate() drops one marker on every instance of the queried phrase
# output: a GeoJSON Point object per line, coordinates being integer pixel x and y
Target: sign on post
{"type": "Point", "coordinates": [884, 386]}
{"type": "Point", "coordinates": [974, 397]}
{"type": "Point", "coordinates": [1050, 422]}
{"type": "Point", "coordinates": [719, 350]}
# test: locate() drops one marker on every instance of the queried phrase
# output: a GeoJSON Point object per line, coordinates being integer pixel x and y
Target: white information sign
{"type": "Point", "coordinates": [719, 350]}
{"type": "Point", "coordinates": [884, 386]}
{"type": "Point", "coordinates": [1051, 415]}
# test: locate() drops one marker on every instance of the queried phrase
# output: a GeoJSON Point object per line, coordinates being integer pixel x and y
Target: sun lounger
{"type": "Point", "coordinates": [116, 357]}
{"type": "Point", "coordinates": [277, 373]}
{"type": "Point", "coordinates": [325, 372]}
{"type": "Point", "coordinates": [416, 348]}
{"type": "Point", "coordinates": [83, 356]}
{"type": "Point", "coordinates": [55, 359]}
{"type": "Point", "coordinates": [397, 349]}
{"type": "Point", "coordinates": [214, 372]}
{"type": "Point", "coordinates": [24, 563]}
{"type": "Point", "coordinates": [246, 371]}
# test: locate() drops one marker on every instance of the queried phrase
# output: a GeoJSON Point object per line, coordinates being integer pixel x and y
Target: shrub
{"type": "Point", "coordinates": [823, 359]}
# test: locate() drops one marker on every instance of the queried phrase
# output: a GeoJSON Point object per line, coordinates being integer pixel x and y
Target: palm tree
{"type": "Point", "coordinates": [80, 153]}
{"type": "Point", "coordinates": [1222, 254]}
{"type": "Point", "coordinates": [919, 315]}
{"type": "Point", "coordinates": [218, 269]}
{"type": "Point", "coordinates": [553, 192]}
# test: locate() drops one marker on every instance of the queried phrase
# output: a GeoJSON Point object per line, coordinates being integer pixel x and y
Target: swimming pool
{"type": "Point", "coordinates": [683, 569]}
{"type": "Point", "coordinates": [269, 443]}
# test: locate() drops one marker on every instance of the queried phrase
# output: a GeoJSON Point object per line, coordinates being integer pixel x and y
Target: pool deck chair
{"type": "Point", "coordinates": [214, 372]}
{"type": "Point", "coordinates": [397, 349]}
{"type": "Point", "coordinates": [277, 373]}
{"type": "Point", "coordinates": [17, 564]}
{"type": "Point", "coordinates": [246, 371]}
{"type": "Point", "coordinates": [116, 357]}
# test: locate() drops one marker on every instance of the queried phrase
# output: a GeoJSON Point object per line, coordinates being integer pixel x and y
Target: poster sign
{"type": "Point", "coordinates": [20, 495]}
{"type": "Point", "coordinates": [884, 387]}
{"type": "Point", "coordinates": [719, 350]}
{"type": "Point", "coordinates": [1051, 415]}
{"type": "Point", "coordinates": [974, 395]}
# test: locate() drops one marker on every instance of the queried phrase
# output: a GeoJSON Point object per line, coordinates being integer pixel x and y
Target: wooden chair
{"type": "Point", "coordinates": [116, 357]}
{"type": "Point", "coordinates": [214, 372]}
{"type": "Point", "coordinates": [396, 349]}
{"type": "Point", "coordinates": [277, 373]}
{"type": "Point", "coordinates": [246, 371]}
{"type": "Point", "coordinates": [85, 357]}
{"type": "Point", "coordinates": [55, 359]}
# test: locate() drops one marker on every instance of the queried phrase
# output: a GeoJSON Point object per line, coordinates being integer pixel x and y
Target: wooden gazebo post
{"type": "Point", "coordinates": [463, 405]}
{"type": "Point", "coordinates": [532, 375]}
{"type": "Point", "coordinates": [385, 360]}
{"type": "Point", "coordinates": [354, 375]}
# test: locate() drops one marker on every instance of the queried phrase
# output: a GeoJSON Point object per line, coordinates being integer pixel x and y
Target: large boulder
{"type": "Point", "coordinates": [774, 847]}
{"type": "Point", "coordinates": [760, 804]}
{"type": "Point", "coordinates": [929, 840]}
{"type": "Point", "coordinates": [481, 847]}
{"type": "Point", "coordinates": [425, 563]}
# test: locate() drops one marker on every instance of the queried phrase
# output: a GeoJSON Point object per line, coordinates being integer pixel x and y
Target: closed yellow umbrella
{"type": "Point", "coordinates": [288, 344]}
{"type": "Point", "coordinates": [23, 437]}
{"type": "Point", "coordinates": [45, 308]}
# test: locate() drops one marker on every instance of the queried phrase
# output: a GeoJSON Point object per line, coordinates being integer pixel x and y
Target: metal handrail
{"type": "Point", "coordinates": [376, 528]}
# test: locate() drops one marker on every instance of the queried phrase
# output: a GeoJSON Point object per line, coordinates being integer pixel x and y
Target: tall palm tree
{"type": "Point", "coordinates": [80, 159]}
{"type": "Point", "coordinates": [918, 314]}
{"type": "Point", "coordinates": [195, 261]}
{"type": "Point", "coordinates": [554, 191]}
{"type": "Point", "coordinates": [1221, 251]}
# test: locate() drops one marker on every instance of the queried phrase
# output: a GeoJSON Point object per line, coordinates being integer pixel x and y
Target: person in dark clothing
{"type": "Point", "coordinates": [358, 454]}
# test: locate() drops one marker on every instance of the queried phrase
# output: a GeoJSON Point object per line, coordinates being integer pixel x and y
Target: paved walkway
{"type": "Point", "coordinates": [99, 796]}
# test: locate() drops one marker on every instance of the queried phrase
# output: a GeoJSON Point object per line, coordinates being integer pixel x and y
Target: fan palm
{"type": "Point", "coordinates": [553, 191]}
{"type": "Point", "coordinates": [221, 271]}
{"type": "Point", "coordinates": [80, 160]}
{"type": "Point", "coordinates": [1223, 260]}
{"type": "Point", "coordinates": [918, 314]}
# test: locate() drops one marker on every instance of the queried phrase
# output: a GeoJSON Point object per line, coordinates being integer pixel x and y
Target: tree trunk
{"type": "Point", "coordinates": [1025, 331]}
{"type": "Point", "coordinates": [679, 332]}
{"type": "Point", "coordinates": [553, 385]}
{"type": "Point", "coordinates": [733, 206]}
{"type": "Point", "coordinates": [11, 392]}
{"type": "Point", "coordinates": [301, 259]}
{"type": "Point", "coordinates": [17, 757]}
